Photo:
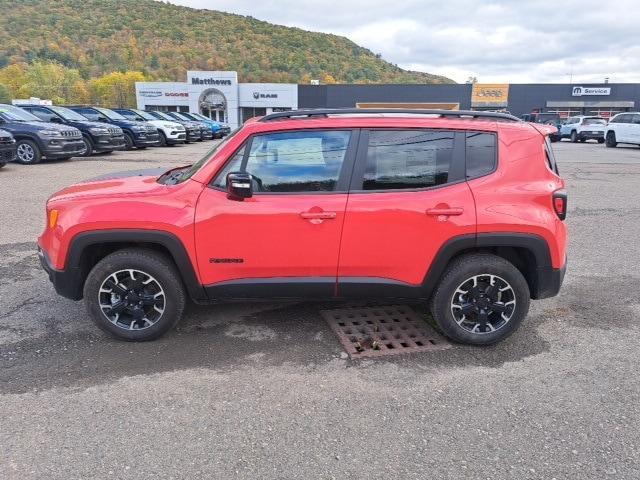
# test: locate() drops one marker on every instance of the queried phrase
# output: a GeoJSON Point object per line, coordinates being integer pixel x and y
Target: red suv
{"type": "Point", "coordinates": [463, 210]}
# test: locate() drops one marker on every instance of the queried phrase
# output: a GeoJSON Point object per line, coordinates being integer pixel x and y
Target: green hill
{"type": "Point", "coordinates": [164, 40]}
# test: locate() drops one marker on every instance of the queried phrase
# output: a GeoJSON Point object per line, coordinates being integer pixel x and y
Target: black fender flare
{"type": "Point", "coordinates": [167, 240]}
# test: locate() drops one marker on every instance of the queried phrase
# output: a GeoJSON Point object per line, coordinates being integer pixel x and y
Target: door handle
{"type": "Point", "coordinates": [436, 212]}
{"type": "Point", "coordinates": [318, 215]}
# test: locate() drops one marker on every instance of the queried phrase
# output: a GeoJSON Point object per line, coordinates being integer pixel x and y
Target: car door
{"type": "Point", "coordinates": [284, 240]}
{"type": "Point", "coordinates": [621, 126]}
{"type": "Point", "coordinates": [634, 129]}
{"type": "Point", "coordinates": [408, 198]}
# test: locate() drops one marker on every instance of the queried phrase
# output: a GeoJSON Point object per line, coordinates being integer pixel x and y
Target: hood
{"type": "Point", "coordinates": [90, 124]}
{"type": "Point", "coordinates": [161, 123]}
{"type": "Point", "coordinates": [119, 183]}
{"type": "Point", "coordinates": [44, 126]}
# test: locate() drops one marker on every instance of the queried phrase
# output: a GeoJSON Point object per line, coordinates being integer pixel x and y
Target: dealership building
{"type": "Point", "coordinates": [218, 95]}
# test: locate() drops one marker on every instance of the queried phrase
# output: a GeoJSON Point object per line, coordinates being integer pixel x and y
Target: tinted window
{"type": "Point", "coordinates": [41, 113]}
{"type": "Point", "coordinates": [407, 159]}
{"type": "Point", "coordinates": [636, 118]}
{"type": "Point", "coordinates": [233, 165]}
{"type": "Point", "coordinates": [624, 118]}
{"type": "Point", "coordinates": [481, 153]}
{"type": "Point", "coordinates": [297, 161]}
{"type": "Point", "coordinates": [594, 121]}
{"type": "Point", "coordinates": [90, 113]}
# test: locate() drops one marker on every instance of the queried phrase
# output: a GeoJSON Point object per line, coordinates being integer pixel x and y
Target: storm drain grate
{"type": "Point", "coordinates": [383, 330]}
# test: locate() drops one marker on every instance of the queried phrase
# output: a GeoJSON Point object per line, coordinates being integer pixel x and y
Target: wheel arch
{"type": "Point", "coordinates": [88, 248]}
{"type": "Point", "coordinates": [529, 253]}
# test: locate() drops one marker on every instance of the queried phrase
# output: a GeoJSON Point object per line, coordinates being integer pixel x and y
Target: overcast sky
{"type": "Point", "coordinates": [506, 41]}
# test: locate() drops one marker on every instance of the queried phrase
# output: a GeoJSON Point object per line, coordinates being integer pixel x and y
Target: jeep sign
{"type": "Point", "coordinates": [580, 91]}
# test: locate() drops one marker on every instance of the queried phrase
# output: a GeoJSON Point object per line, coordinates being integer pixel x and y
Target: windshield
{"type": "Point", "coordinates": [594, 121]}
{"type": "Point", "coordinates": [68, 114]}
{"type": "Point", "coordinates": [110, 114]}
{"type": "Point", "coordinates": [15, 114]}
{"type": "Point", "coordinates": [162, 116]}
{"type": "Point", "coordinates": [190, 171]}
{"type": "Point", "coordinates": [180, 116]}
{"type": "Point", "coordinates": [145, 115]}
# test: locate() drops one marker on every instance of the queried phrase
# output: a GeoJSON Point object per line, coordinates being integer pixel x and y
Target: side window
{"type": "Point", "coordinates": [232, 165]}
{"type": "Point", "coordinates": [89, 113]}
{"type": "Point", "coordinates": [41, 113]}
{"type": "Point", "coordinates": [308, 161]}
{"type": "Point", "coordinates": [407, 159]}
{"type": "Point", "coordinates": [624, 118]}
{"type": "Point", "coordinates": [636, 118]}
{"type": "Point", "coordinates": [481, 153]}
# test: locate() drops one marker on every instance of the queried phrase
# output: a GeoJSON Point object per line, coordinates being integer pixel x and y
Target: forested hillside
{"type": "Point", "coordinates": [161, 41]}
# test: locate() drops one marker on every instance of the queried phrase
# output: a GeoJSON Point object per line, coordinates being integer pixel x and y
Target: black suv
{"type": "Point", "coordinates": [136, 134]}
{"type": "Point", "coordinates": [7, 148]}
{"type": "Point", "coordinates": [205, 130]}
{"type": "Point", "coordinates": [97, 137]}
{"type": "Point", "coordinates": [36, 139]}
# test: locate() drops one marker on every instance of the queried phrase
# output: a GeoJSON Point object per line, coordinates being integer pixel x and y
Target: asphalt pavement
{"type": "Point", "coordinates": [265, 390]}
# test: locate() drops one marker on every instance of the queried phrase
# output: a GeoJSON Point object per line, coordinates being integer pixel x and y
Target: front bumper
{"type": "Point", "coordinates": [144, 139]}
{"type": "Point", "coordinates": [68, 283]}
{"type": "Point", "coordinates": [7, 153]}
{"type": "Point", "coordinates": [108, 142]}
{"type": "Point", "coordinates": [175, 136]}
{"type": "Point", "coordinates": [62, 148]}
{"type": "Point", "coordinates": [206, 134]}
{"type": "Point", "coordinates": [193, 135]}
{"type": "Point", "coordinates": [547, 281]}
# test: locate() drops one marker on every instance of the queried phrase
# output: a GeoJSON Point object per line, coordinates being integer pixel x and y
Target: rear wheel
{"type": "Point", "coordinates": [27, 152]}
{"type": "Point", "coordinates": [574, 136]}
{"type": "Point", "coordinates": [134, 294]}
{"type": "Point", "coordinates": [610, 140]}
{"type": "Point", "coordinates": [481, 299]}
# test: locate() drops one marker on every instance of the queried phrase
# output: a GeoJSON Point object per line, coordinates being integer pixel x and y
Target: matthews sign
{"type": "Point", "coordinates": [581, 91]}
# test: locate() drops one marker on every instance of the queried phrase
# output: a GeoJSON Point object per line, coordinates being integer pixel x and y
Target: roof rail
{"type": "Point", "coordinates": [325, 112]}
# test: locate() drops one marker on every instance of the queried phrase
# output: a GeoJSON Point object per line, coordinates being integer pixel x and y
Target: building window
{"type": "Point", "coordinates": [249, 112]}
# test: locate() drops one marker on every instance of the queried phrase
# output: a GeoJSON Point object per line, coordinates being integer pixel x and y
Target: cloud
{"type": "Point", "coordinates": [496, 41]}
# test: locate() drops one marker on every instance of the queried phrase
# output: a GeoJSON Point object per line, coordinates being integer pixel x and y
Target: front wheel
{"type": "Point", "coordinates": [610, 140]}
{"type": "Point", "coordinates": [480, 300]}
{"type": "Point", "coordinates": [88, 147]}
{"type": "Point", "coordinates": [135, 294]}
{"type": "Point", "coordinates": [601, 140]}
{"type": "Point", "coordinates": [27, 152]}
{"type": "Point", "coordinates": [128, 142]}
{"type": "Point", "coordinates": [163, 139]}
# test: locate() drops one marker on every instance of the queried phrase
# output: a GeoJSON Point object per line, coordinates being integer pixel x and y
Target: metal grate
{"type": "Point", "coordinates": [383, 330]}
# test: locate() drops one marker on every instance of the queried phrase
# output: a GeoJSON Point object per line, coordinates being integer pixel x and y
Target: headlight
{"type": "Point", "coordinates": [169, 126]}
{"type": "Point", "coordinates": [99, 131]}
{"type": "Point", "coordinates": [139, 128]}
{"type": "Point", "coordinates": [50, 133]}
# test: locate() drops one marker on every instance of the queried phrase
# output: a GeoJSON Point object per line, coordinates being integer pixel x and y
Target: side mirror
{"type": "Point", "coordinates": [55, 119]}
{"type": "Point", "coordinates": [239, 185]}
{"type": "Point", "coordinates": [101, 119]}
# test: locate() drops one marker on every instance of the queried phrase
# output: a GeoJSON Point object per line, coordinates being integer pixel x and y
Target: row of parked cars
{"type": "Point", "coordinates": [621, 128]}
{"type": "Point", "coordinates": [29, 133]}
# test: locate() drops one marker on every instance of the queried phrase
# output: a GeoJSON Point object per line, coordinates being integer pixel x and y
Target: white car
{"type": "Point", "coordinates": [583, 128]}
{"type": "Point", "coordinates": [171, 133]}
{"type": "Point", "coordinates": [623, 128]}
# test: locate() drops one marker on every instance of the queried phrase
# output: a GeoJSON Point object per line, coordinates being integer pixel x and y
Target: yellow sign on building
{"type": "Point", "coordinates": [490, 95]}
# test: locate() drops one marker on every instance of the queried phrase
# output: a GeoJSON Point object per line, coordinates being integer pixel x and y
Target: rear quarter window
{"type": "Point", "coordinates": [481, 153]}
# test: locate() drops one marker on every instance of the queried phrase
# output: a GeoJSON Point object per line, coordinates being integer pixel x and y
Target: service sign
{"type": "Point", "coordinates": [490, 94]}
{"type": "Point", "coordinates": [580, 91]}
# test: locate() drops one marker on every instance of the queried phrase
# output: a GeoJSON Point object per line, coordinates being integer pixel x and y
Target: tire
{"type": "Point", "coordinates": [447, 304]}
{"type": "Point", "coordinates": [128, 141]}
{"type": "Point", "coordinates": [2, 165]}
{"type": "Point", "coordinates": [155, 281]}
{"type": "Point", "coordinates": [582, 140]}
{"type": "Point", "coordinates": [27, 152]}
{"type": "Point", "coordinates": [88, 146]}
{"type": "Point", "coordinates": [163, 139]}
{"type": "Point", "coordinates": [141, 148]}
{"type": "Point", "coordinates": [610, 140]}
{"type": "Point", "coordinates": [601, 140]}
{"type": "Point", "coordinates": [574, 136]}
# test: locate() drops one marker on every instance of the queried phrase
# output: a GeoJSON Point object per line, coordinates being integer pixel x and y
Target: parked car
{"type": "Point", "coordinates": [546, 118]}
{"type": "Point", "coordinates": [7, 148]}
{"type": "Point", "coordinates": [36, 139]}
{"type": "Point", "coordinates": [218, 129]}
{"type": "Point", "coordinates": [582, 128]}
{"type": "Point", "coordinates": [324, 204]}
{"type": "Point", "coordinates": [205, 130]}
{"type": "Point", "coordinates": [171, 133]}
{"type": "Point", "coordinates": [193, 129]}
{"type": "Point", "coordinates": [623, 128]}
{"type": "Point", "coordinates": [97, 137]}
{"type": "Point", "coordinates": [136, 134]}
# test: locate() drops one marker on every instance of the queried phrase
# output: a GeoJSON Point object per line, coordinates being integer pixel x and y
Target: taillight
{"type": "Point", "coordinates": [560, 203]}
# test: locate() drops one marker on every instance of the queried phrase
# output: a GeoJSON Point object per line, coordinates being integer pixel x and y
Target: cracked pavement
{"type": "Point", "coordinates": [265, 391]}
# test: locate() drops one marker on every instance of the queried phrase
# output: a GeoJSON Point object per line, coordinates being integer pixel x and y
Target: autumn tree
{"type": "Point", "coordinates": [116, 89]}
{"type": "Point", "coordinates": [52, 81]}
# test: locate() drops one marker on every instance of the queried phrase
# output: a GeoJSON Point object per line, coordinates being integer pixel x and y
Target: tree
{"type": "Point", "coordinates": [13, 77]}
{"type": "Point", "coordinates": [327, 79]}
{"type": "Point", "coordinates": [116, 89]}
{"type": "Point", "coordinates": [52, 81]}
{"type": "Point", "coordinates": [5, 94]}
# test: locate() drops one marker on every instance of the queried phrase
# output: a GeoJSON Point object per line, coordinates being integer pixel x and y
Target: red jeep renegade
{"type": "Point", "coordinates": [463, 210]}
